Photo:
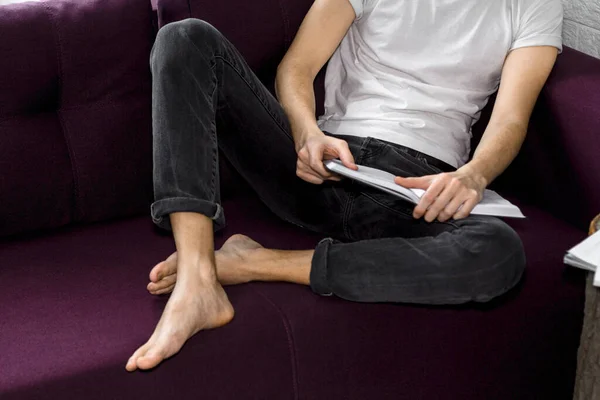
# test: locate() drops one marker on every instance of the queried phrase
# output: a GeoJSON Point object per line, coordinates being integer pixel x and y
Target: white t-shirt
{"type": "Point", "coordinates": [419, 72]}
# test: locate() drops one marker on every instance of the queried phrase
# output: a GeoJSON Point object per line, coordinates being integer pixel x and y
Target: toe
{"type": "Point", "coordinates": [164, 269]}
{"type": "Point", "coordinates": [164, 347]}
{"type": "Point", "coordinates": [132, 362]}
{"type": "Point", "coordinates": [157, 272]}
{"type": "Point", "coordinates": [166, 282]}
{"type": "Point", "coordinates": [166, 290]}
{"type": "Point", "coordinates": [151, 359]}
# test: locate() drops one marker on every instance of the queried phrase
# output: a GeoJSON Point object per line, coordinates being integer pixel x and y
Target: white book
{"type": "Point", "coordinates": [491, 204]}
{"type": "Point", "coordinates": [586, 255]}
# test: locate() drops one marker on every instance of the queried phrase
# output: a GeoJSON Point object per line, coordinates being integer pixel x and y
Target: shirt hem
{"type": "Point", "coordinates": [401, 139]}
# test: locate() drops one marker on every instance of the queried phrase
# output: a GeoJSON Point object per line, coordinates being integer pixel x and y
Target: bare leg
{"type": "Point", "coordinates": [198, 302]}
{"type": "Point", "coordinates": [241, 260]}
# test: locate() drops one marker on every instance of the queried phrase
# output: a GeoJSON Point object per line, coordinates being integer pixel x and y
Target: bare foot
{"type": "Point", "coordinates": [229, 259]}
{"type": "Point", "coordinates": [192, 307]}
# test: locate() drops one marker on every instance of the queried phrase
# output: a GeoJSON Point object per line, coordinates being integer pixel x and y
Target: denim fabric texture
{"type": "Point", "coordinates": [206, 98]}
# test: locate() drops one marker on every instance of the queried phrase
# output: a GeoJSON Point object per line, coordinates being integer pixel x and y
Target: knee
{"type": "Point", "coordinates": [174, 41]}
{"type": "Point", "coordinates": [193, 29]}
{"type": "Point", "coordinates": [501, 260]}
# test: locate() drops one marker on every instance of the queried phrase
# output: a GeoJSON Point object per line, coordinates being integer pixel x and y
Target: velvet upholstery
{"type": "Point", "coordinates": [76, 307]}
{"type": "Point", "coordinates": [75, 138]}
{"type": "Point", "coordinates": [75, 147]}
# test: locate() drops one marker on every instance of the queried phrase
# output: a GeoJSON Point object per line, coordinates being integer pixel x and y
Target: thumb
{"type": "Point", "coordinates": [346, 156]}
{"type": "Point", "coordinates": [421, 182]}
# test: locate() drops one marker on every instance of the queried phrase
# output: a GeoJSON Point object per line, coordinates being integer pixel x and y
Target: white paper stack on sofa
{"type": "Point", "coordinates": [586, 255]}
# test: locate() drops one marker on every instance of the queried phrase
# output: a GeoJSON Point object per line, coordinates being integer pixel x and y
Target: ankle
{"type": "Point", "coordinates": [202, 272]}
{"type": "Point", "coordinates": [253, 265]}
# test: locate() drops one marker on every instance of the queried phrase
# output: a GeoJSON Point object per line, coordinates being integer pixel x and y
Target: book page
{"type": "Point", "coordinates": [374, 177]}
{"type": "Point", "coordinates": [491, 204]}
{"type": "Point", "coordinates": [588, 250]}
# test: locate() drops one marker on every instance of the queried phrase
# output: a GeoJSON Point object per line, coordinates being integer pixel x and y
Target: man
{"type": "Point", "coordinates": [405, 83]}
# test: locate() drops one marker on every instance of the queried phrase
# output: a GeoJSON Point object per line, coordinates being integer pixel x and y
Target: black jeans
{"type": "Point", "coordinates": [206, 98]}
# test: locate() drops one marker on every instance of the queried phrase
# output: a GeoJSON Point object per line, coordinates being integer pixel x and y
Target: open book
{"type": "Point", "coordinates": [491, 204]}
{"type": "Point", "coordinates": [586, 255]}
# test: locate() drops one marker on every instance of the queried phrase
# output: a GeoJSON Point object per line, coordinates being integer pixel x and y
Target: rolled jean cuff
{"type": "Point", "coordinates": [161, 209]}
{"type": "Point", "coordinates": [318, 270]}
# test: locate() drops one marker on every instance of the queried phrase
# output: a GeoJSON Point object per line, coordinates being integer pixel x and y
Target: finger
{"type": "Point", "coordinates": [453, 206]}
{"type": "Point", "coordinates": [306, 169]}
{"type": "Point", "coordinates": [308, 177]}
{"type": "Point", "coordinates": [430, 195]}
{"type": "Point", "coordinates": [421, 182]}
{"type": "Point", "coordinates": [466, 208]}
{"type": "Point", "coordinates": [345, 155]}
{"type": "Point", "coordinates": [316, 162]}
{"type": "Point", "coordinates": [303, 155]}
{"type": "Point", "coordinates": [441, 201]}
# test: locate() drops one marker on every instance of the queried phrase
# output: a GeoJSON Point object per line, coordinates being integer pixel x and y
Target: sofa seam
{"type": "Point", "coordinates": [75, 214]}
{"type": "Point", "coordinates": [99, 104]}
{"type": "Point", "coordinates": [290, 340]}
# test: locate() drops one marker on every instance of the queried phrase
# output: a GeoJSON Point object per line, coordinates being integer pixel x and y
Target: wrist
{"type": "Point", "coordinates": [302, 133]}
{"type": "Point", "coordinates": [477, 172]}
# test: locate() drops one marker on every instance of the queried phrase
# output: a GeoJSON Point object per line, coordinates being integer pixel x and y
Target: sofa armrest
{"type": "Point", "coordinates": [558, 168]}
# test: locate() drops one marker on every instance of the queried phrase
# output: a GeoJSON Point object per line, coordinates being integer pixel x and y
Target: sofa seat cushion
{"type": "Point", "coordinates": [522, 345]}
{"type": "Point", "coordinates": [76, 307]}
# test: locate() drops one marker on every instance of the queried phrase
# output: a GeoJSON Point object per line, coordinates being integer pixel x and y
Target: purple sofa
{"type": "Point", "coordinates": [78, 243]}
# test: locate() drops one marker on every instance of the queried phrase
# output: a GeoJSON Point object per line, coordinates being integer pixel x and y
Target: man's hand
{"type": "Point", "coordinates": [447, 195]}
{"type": "Point", "coordinates": [316, 148]}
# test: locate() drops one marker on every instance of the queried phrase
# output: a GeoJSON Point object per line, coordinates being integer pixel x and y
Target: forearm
{"type": "Point", "coordinates": [524, 73]}
{"type": "Point", "coordinates": [499, 146]}
{"type": "Point", "coordinates": [296, 94]}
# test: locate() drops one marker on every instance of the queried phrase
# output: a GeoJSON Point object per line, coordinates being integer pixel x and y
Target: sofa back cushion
{"type": "Point", "coordinates": [75, 105]}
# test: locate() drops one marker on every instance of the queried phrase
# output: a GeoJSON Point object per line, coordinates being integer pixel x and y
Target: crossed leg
{"type": "Point", "coordinates": [241, 260]}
